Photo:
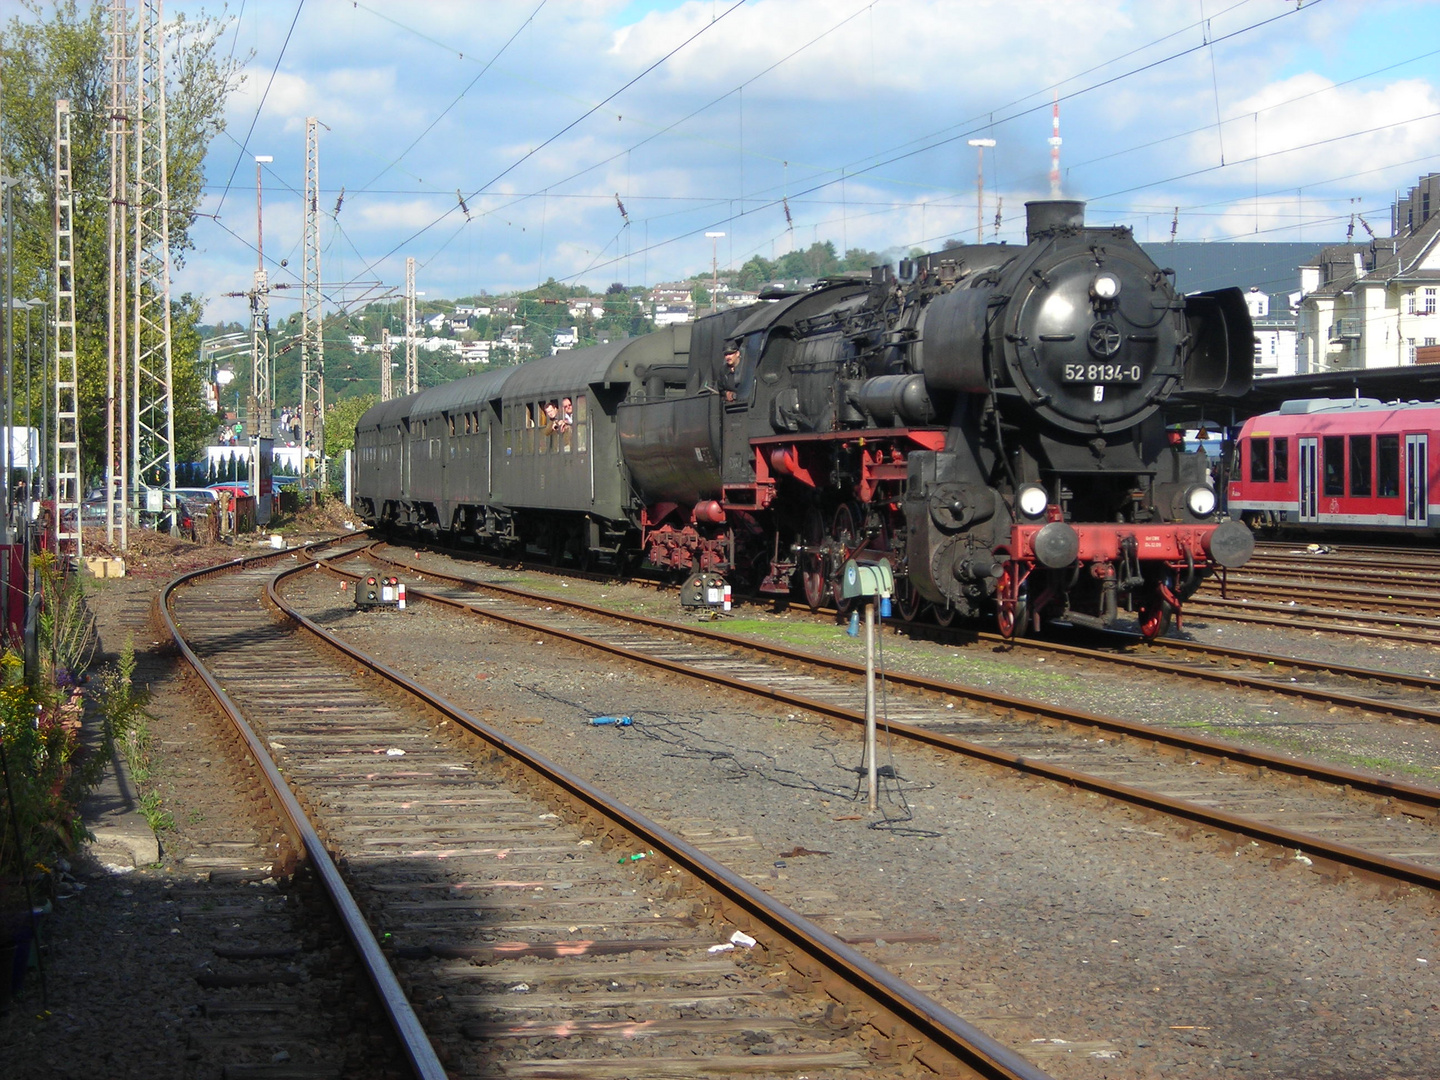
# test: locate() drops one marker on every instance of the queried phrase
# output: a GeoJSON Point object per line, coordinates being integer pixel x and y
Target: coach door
{"type": "Point", "coordinates": [1417, 481]}
{"type": "Point", "coordinates": [1309, 461]}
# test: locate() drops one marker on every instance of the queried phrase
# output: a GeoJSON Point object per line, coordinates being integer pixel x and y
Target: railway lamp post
{"type": "Point", "coordinates": [714, 270]}
{"type": "Point", "coordinates": [871, 583]}
{"type": "Point", "coordinates": [980, 145]}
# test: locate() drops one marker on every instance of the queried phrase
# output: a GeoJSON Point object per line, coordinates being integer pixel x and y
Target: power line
{"type": "Point", "coordinates": [578, 120]}
{"type": "Point", "coordinates": [245, 142]}
{"type": "Point", "coordinates": [469, 86]}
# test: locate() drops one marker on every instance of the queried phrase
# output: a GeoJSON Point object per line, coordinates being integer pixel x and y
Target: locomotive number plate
{"type": "Point", "coordinates": [1103, 373]}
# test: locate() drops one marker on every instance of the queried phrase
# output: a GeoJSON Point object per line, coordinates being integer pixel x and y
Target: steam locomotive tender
{"type": "Point", "coordinates": [987, 421]}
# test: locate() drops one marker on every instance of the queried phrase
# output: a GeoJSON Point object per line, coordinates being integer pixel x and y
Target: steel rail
{"type": "Point", "coordinates": [407, 1026]}
{"type": "Point", "coordinates": [1427, 800]}
{"type": "Point", "coordinates": [1397, 709]}
{"type": "Point", "coordinates": [1326, 619]}
{"type": "Point", "coordinates": [930, 1021]}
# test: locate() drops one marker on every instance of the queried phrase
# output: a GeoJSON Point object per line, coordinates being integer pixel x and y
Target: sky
{"type": "Point", "coordinates": [495, 142]}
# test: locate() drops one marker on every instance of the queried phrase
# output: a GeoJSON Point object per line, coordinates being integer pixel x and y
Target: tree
{"type": "Point", "coordinates": [340, 421]}
{"type": "Point", "coordinates": [60, 51]}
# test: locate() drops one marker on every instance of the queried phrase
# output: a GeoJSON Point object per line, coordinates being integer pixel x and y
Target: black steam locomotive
{"type": "Point", "coordinates": [987, 420]}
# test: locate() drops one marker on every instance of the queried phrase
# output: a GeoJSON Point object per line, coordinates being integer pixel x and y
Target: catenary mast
{"type": "Point", "coordinates": [153, 431]}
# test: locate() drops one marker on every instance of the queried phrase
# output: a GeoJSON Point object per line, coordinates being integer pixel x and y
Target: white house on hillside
{"type": "Point", "coordinates": [1374, 305]}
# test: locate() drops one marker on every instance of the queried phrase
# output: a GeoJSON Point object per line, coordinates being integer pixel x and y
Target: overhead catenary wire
{"type": "Point", "coordinates": [245, 142]}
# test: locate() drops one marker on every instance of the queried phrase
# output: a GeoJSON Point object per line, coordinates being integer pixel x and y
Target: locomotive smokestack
{"type": "Point", "coordinates": [1043, 215]}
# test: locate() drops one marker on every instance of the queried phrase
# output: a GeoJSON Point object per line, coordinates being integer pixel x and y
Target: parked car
{"type": "Point", "coordinates": [236, 490]}
{"type": "Point", "coordinates": [202, 496]}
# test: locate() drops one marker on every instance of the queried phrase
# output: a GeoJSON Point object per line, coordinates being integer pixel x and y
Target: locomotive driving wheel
{"type": "Point", "coordinates": [812, 563]}
{"type": "Point", "coordinates": [1012, 602]}
{"type": "Point", "coordinates": [944, 614]}
{"type": "Point", "coordinates": [907, 601]}
{"type": "Point", "coordinates": [844, 532]}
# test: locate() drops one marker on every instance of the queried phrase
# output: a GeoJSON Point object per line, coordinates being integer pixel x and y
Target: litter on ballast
{"type": "Point", "coordinates": [394, 751]}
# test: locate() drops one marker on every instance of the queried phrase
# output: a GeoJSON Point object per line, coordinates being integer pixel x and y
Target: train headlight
{"type": "Point", "coordinates": [1105, 287]}
{"type": "Point", "coordinates": [1201, 500]}
{"type": "Point", "coordinates": [1032, 499]}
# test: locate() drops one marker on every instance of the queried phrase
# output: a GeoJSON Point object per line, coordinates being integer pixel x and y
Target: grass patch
{"type": "Point", "coordinates": [1294, 745]}
{"type": "Point", "coordinates": [129, 725]}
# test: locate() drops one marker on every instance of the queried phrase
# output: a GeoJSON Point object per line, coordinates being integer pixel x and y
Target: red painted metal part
{"type": "Point", "coordinates": [883, 455]}
{"type": "Point", "coordinates": [1169, 543]}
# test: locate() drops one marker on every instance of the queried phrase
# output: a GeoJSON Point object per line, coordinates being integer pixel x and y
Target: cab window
{"type": "Point", "coordinates": [1259, 461]}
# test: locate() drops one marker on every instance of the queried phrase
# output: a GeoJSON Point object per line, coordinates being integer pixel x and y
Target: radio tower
{"type": "Point", "coordinates": [387, 388]}
{"type": "Point", "coordinates": [153, 440]}
{"type": "Point", "coordinates": [312, 318]}
{"type": "Point", "coordinates": [69, 541]}
{"type": "Point", "coordinates": [117, 445]}
{"type": "Point", "coordinates": [1055, 150]}
{"type": "Point", "coordinates": [412, 372]}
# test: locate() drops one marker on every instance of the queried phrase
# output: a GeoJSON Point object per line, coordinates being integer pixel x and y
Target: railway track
{"type": "Point", "coordinates": [1396, 695]}
{"type": "Point", "coordinates": [1350, 819]}
{"type": "Point", "coordinates": [489, 875]}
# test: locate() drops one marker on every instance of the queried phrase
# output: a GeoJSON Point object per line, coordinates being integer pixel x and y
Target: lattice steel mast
{"type": "Point", "coordinates": [117, 445]}
{"type": "Point", "coordinates": [261, 403]}
{"type": "Point", "coordinates": [412, 372]}
{"type": "Point", "coordinates": [69, 537]}
{"type": "Point", "coordinates": [153, 445]}
{"type": "Point", "coordinates": [312, 317]}
{"type": "Point", "coordinates": [387, 385]}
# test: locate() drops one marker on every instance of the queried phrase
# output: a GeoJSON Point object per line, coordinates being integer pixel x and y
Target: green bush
{"type": "Point", "coordinates": [40, 737]}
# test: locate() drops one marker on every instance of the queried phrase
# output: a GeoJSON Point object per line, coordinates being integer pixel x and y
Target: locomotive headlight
{"type": "Point", "coordinates": [1032, 500]}
{"type": "Point", "coordinates": [1201, 500]}
{"type": "Point", "coordinates": [1105, 287]}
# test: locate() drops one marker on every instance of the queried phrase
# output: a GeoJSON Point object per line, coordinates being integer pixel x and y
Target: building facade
{"type": "Point", "coordinates": [1376, 304]}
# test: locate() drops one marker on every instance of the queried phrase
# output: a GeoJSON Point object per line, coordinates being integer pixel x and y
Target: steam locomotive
{"type": "Point", "coordinates": [986, 419]}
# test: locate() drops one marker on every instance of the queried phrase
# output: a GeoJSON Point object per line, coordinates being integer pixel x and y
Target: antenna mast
{"type": "Point", "coordinates": [1055, 149]}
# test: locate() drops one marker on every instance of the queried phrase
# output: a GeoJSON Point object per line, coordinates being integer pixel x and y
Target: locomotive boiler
{"type": "Point", "coordinates": [986, 419]}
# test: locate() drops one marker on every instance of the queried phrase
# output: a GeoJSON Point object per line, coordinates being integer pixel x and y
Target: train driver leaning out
{"type": "Point", "coordinates": [732, 369]}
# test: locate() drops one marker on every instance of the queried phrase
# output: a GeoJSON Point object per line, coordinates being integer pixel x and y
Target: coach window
{"type": "Point", "coordinates": [1281, 471]}
{"type": "Point", "coordinates": [1361, 455]}
{"type": "Point", "coordinates": [1334, 451]}
{"type": "Point", "coordinates": [1259, 461]}
{"type": "Point", "coordinates": [1387, 466]}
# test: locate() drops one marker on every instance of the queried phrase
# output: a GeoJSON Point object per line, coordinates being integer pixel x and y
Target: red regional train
{"type": "Point", "coordinates": [1339, 464]}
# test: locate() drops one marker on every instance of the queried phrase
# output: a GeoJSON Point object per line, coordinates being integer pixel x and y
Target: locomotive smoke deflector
{"type": "Point", "coordinates": [1222, 358]}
